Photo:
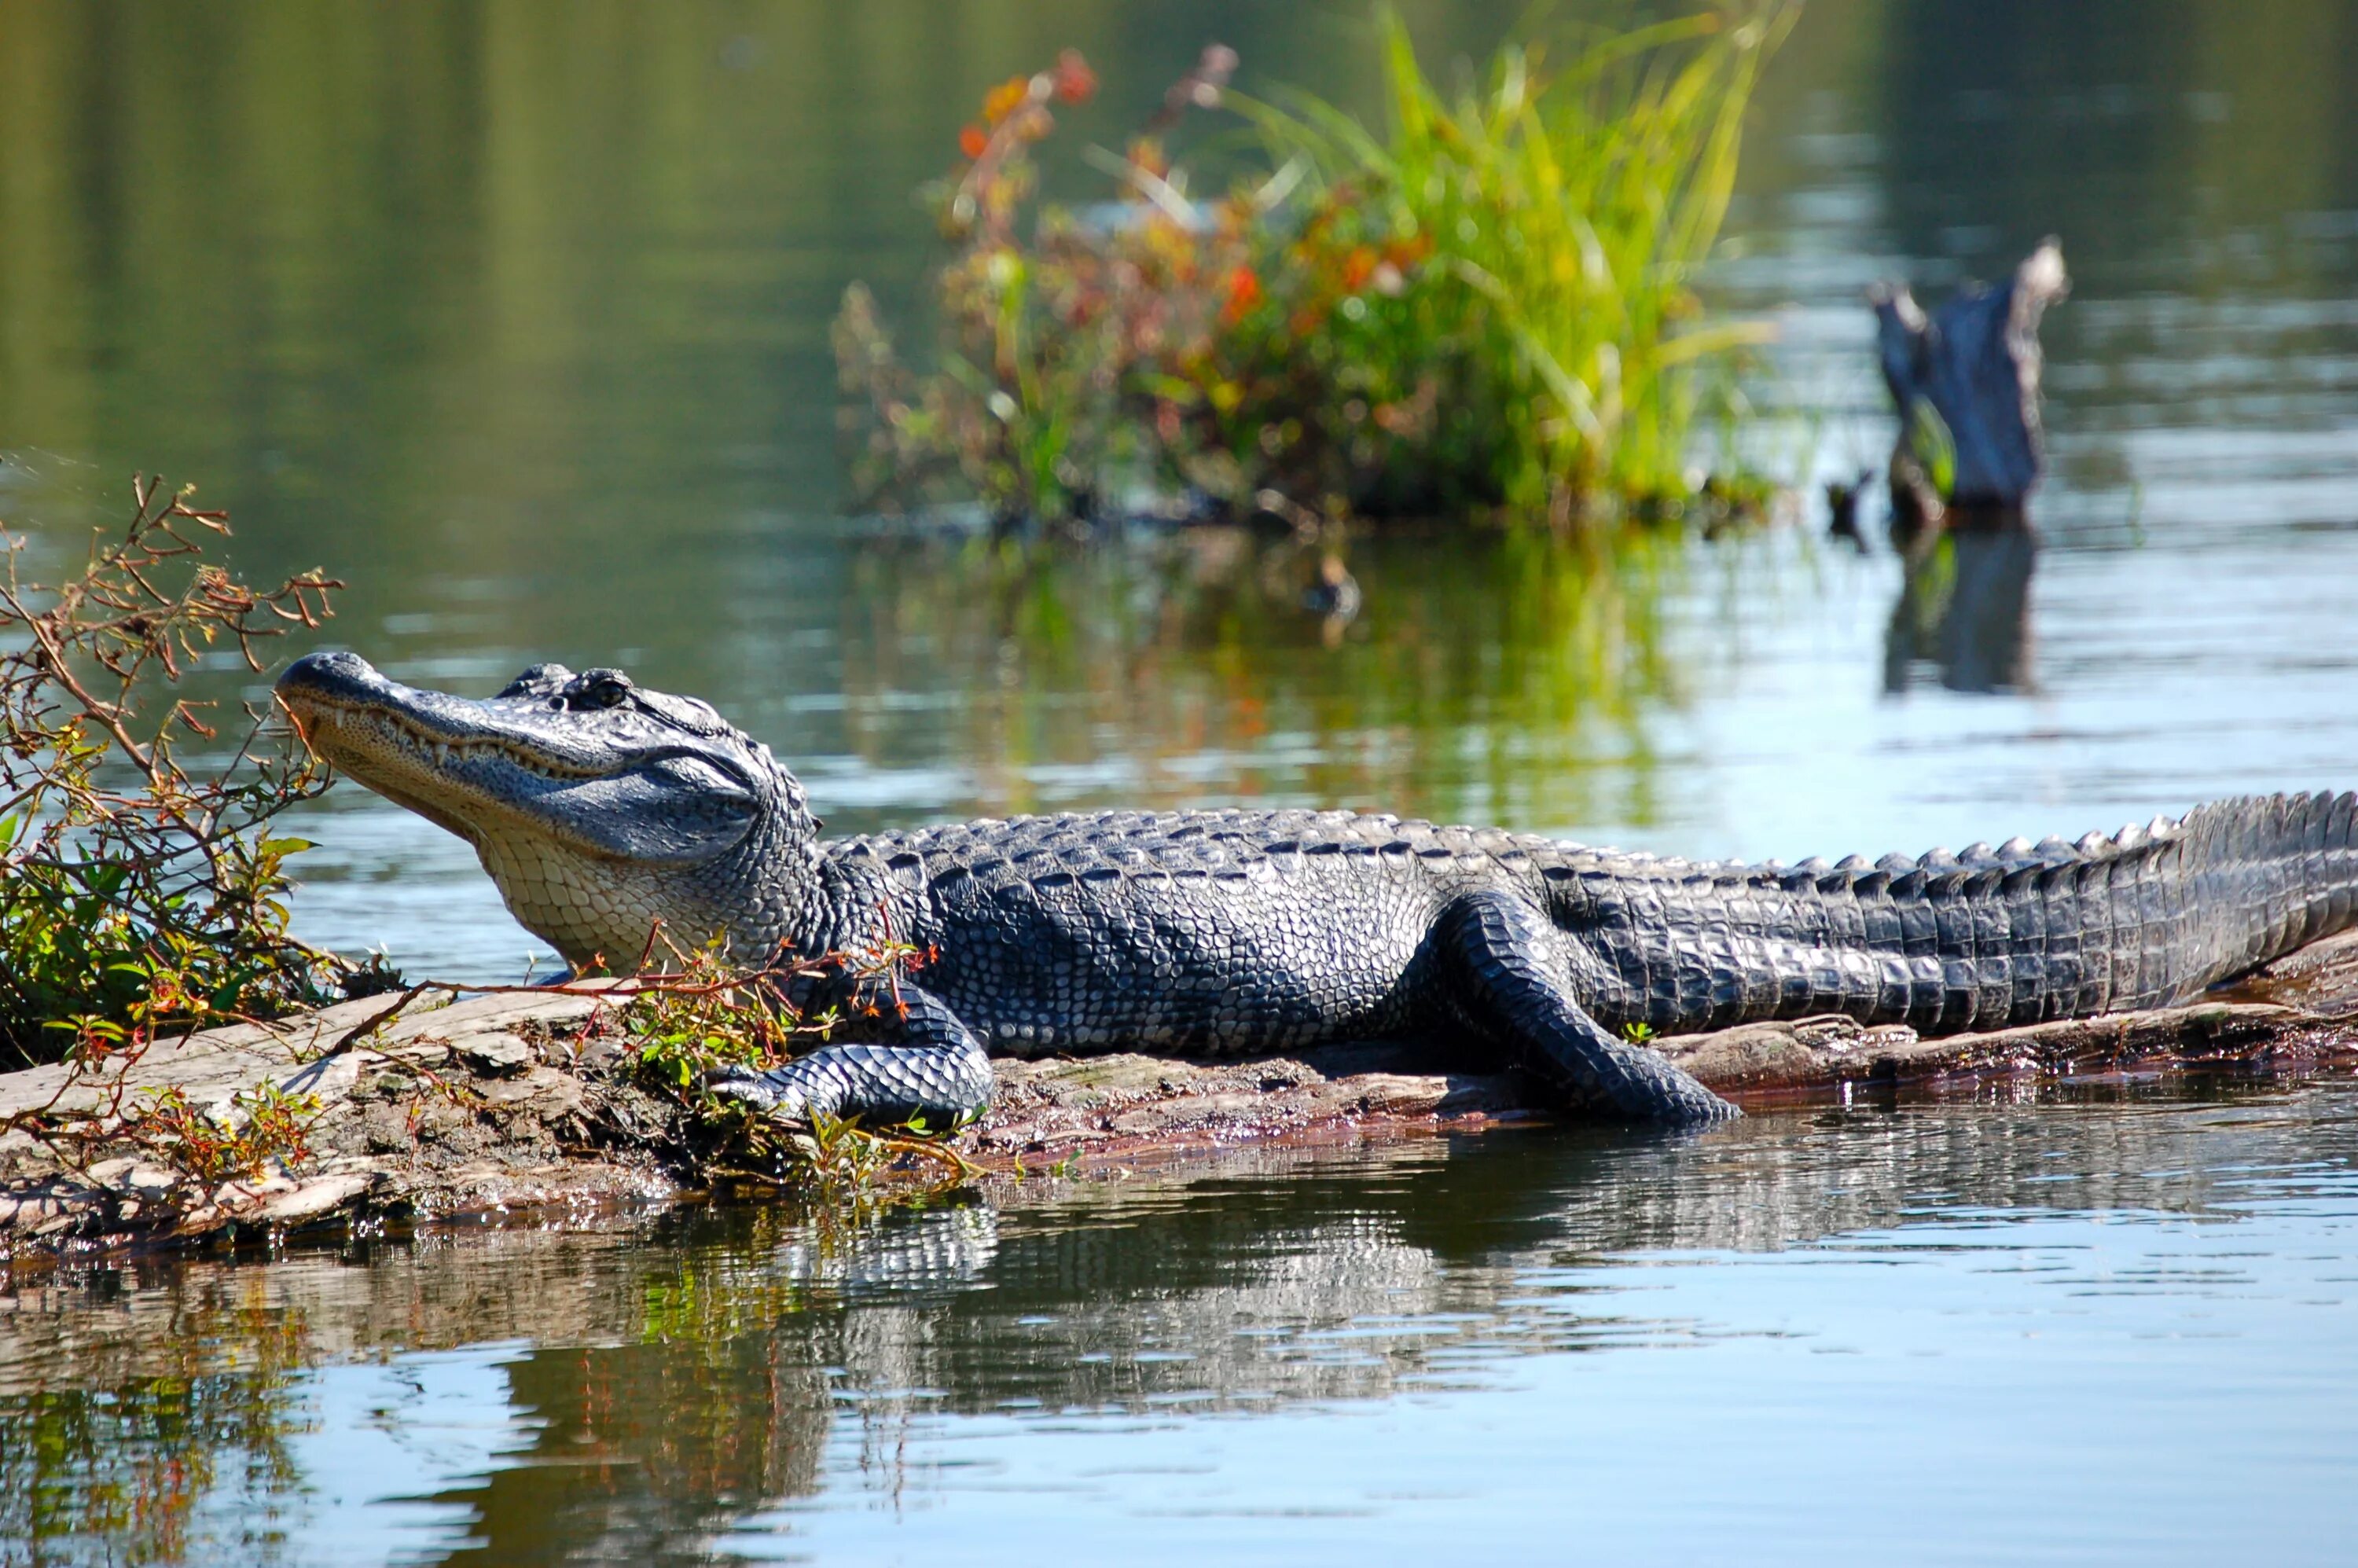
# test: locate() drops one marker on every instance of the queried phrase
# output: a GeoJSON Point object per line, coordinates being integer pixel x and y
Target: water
{"type": "Point", "coordinates": [2104, 1324]}
{"type": "Point", "coordinates": [516, 317]}
{"type": "Point", "coordinates": [517, 320]}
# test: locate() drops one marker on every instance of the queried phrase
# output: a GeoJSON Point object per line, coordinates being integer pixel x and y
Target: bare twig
{"type": "Point", "coordinates": [157, 901]}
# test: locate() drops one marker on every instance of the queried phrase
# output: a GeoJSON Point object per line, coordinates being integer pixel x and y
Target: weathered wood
{"type": "Point", "coordinates": [2320, 979]}
{"type": "Point", "coordinates": [1974, 362]}
{"type": "Point", "coordinates": [1815, 1052]}
{"type": "Point", "coordinates": [516, 1102]}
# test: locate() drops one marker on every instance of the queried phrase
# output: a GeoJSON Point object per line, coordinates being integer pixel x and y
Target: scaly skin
{"type": "Point", "coordinates": [599, 808]}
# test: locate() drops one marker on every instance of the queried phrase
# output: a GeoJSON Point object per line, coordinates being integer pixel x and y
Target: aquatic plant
{"type": "Point", "coordinates": [704, 1013]}
{"type": "Point", "coordinates": [137, 894]}
{"type": "Point", "coordinates": [1487, 305]}
{"type": "Point", "coordinates": [1547, 337]}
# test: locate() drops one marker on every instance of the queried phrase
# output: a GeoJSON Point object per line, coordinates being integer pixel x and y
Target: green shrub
{"type": "Point", "coordinates": [135, 896]}
{"type": "Point", "coordinates": [1488, 305]}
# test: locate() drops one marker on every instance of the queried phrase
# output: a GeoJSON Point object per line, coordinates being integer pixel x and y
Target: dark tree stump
{"type": "Point", "coordinates": [1965, 380]}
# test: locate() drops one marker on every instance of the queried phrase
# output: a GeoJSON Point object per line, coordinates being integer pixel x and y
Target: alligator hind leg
{"type": "Point", "coordinates": [1505, 966]}
{"type": "Point", "coordinates": [925, 1065]}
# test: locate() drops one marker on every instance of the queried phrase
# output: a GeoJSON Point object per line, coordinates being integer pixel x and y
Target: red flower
{"type": "Point", "coordinates": [1075, 82]}
{"type": "Point", "coordinates": [1244, 293]}
{"type": "Point", "coordinates": [973, 141]}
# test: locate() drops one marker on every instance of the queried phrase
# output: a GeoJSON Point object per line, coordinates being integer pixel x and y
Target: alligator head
{"type": "Point", "coordinates": [598, 807]}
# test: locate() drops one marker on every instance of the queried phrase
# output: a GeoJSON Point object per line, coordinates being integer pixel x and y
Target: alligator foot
{"type": "Point", "coordinates": [1508, 961]}
{"type": "Point", "coordinates": [929, 1070]}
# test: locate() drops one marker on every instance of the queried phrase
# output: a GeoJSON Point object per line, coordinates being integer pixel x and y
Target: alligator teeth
{"type": "Point", "coordinates": [443, 754]}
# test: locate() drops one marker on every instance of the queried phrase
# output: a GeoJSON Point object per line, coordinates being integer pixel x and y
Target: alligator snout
{"type": "Point", "coordinates": [334, 678]}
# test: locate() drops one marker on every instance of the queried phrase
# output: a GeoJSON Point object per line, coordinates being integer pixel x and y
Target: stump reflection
{"type": "Point", "coordinates": [1964, 611]}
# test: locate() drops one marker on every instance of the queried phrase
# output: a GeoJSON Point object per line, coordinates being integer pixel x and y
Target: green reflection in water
{"type": "Point", "coordinates": [1502, 675]}
{"type": "Point", "coordinates": [515, 316]}
{"type": "Point", "coordinates": [658, 1381]}
{"type": "Point", "coordinates": [170, 1445]}
{"type": "Point", "coordinates": [535, 296]}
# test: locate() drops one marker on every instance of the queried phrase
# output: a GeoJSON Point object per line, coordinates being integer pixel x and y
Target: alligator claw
{"type": "Point", "coordinates": [756, 1091]}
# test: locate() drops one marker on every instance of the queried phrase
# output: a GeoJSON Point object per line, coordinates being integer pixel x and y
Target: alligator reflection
{"type": "Point", "coordinates": [688, 1372]}
{"type": "Point", "coordinates": [1965, 610]}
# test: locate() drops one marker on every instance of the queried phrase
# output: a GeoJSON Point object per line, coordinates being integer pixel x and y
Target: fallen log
{"type": "Point", "coordinates": [522, 1102]}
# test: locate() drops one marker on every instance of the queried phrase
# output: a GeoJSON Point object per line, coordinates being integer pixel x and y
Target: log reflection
{"type": "Point", "coordinates": [1964, 611]}
{"type": "Point", "coordinates": [681, 1374]}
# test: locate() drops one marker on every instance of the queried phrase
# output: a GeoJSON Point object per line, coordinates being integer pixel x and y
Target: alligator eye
{"type": "Point", "coordinates": [602, 689]}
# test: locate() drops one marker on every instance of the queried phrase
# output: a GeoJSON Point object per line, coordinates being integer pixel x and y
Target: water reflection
{"type": "Point", "coordinates": [647, 1387]}
{"type": "Point", "coordinates": [516, 319]}
{"type": "Point", "coordinates": [1481, 672]}
{"type": "Point", "coordinates": [1964, 609]}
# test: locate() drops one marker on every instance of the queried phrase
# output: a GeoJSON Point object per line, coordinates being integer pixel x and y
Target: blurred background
{"type": "Point", "coordinates": [515, 316]}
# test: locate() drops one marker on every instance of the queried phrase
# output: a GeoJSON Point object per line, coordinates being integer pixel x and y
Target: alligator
{"type": "Point", "coordinates": [602, 808]}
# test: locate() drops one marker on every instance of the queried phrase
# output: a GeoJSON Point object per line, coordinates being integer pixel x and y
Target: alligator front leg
{"type": "Point", "coordinates": [1506, 969]}
{"type": "Point", "coordinates": [924, 1066]}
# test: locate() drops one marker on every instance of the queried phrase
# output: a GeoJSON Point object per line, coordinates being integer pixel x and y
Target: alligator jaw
{"type": "Point", "coordinates": [433, 753]}
{"type": "Point", "coordinates": [598, 808]}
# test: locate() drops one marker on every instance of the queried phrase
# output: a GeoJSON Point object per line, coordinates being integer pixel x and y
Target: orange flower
{"type": "Point", "coordinates": [1406, 253]}
{"type": "Point", "coordinates": [974, 141]}
{"type": "Point", "coordinates": [1004, 98]}
{"type": "Point", "coordinates": [1146, 153]}
{"type": "Point", "coordinates": [1244, 293]}
{"type": "Point", "coordinates": [1358, 267]}
{"type": "Point", "coordinates": [1075, 82]}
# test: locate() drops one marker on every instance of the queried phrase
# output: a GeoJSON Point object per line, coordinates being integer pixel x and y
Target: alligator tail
{"type": "Point", "coordinates": [1981, 939]}
{"type": "Point", "coordinates": [2268, 874]}
{"type": "Point", "coordinates": [2143, 919]}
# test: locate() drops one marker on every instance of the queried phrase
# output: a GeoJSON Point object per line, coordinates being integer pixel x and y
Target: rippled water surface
{"type": "Point", "coordinates": [516, 318]}
{"type": "Point", "coordinates": [2109, 1326]}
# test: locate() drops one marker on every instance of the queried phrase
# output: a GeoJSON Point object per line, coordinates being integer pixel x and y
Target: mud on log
{"type": "Point", "coordinates": [523, 1102]}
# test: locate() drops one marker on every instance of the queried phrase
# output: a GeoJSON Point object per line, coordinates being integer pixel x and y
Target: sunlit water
{"type": "Point", "coordinates": [2107, 1326]}
{"type": "Point", "coordinates": [516, 318]}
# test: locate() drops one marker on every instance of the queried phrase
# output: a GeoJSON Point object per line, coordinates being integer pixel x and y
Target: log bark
{"type": "Point", "coordinates": [520, 1103]}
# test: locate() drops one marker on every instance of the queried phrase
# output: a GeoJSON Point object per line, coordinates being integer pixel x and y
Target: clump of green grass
{"type": "Point", "coordinates": [1563, 207]}
{"type": "Point", "coordinates": [1486, 307]}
